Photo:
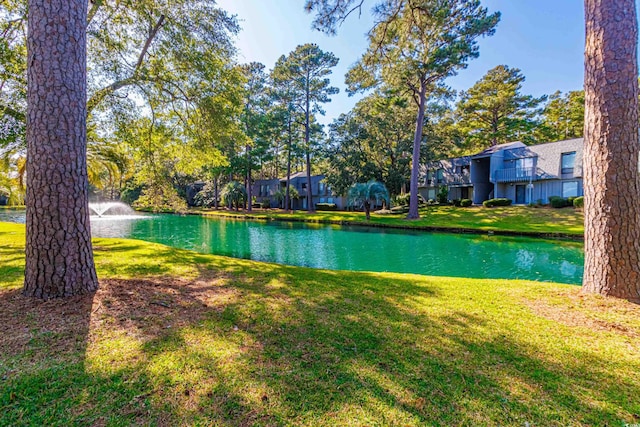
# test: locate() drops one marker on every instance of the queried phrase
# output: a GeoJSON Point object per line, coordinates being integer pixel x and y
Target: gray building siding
{"type": "Point", "coordinates": [524, 174]}
{"type": "Point", "coordinates": [265, 189]}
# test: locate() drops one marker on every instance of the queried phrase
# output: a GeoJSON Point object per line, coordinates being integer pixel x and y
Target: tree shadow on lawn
{"type": "Point", "coordinates": [242, 343]}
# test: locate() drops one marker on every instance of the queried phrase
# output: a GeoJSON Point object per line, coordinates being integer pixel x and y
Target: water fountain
{"type": "Point", "coordinates": [110, 208]}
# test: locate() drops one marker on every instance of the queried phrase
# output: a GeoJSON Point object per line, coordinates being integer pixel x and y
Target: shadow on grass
{"type": "Point", "coordinates": [242, 343]}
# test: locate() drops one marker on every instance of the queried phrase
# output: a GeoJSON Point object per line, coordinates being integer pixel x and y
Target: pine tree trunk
{"type": "Point", "coordinates": [310, 207]}
{"type": "Point", "coordinates": [307, 141]}
{"type": "Point", "coordinates": [611, 148]}
{"type": "Point", "coordinates": [249, 195]}
{"type": "Point", "coordinates": [415, 160]}
{"type": "Point", "coordinates": [59, 256]}
{"type": "Point", "coordinates": [287, 196]}
{"type": "Point", "coordinates": [215, 193]}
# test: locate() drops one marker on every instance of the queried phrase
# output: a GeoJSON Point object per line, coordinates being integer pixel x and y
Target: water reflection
{"type": "Point", "coordinates": [354, 248]}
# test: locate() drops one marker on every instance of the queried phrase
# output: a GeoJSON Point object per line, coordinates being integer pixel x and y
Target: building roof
{"type": "Point", "coordinates": [446, 164]}
{"type": "Point", "coordinates": [300, 174]}
{"type": "Point", "coordinates": [491, 150]}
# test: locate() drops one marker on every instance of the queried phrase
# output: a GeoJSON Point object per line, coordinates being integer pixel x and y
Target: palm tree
{"type": "Point", "coordinates": [366, 194]}
{"type": "Point", "coordinates": [281, 196]}
{"type": "Point", "coordinates": [234, 193]}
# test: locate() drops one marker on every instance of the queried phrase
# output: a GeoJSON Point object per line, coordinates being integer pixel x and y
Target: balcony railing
{"type": "Point", "coordinates": [459, 178]}
{"type": "Point", "coordinates": [449, 179]}
{"type": "Point", "coordinates": [514, 175]}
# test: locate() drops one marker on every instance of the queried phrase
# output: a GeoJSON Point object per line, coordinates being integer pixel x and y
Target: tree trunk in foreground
{"type": "Point", "coordinates": [59, 256]}
{"type": "Point", "coordinates": [415, 159]}
{"type": "Point", "coordinates": [611, 148]}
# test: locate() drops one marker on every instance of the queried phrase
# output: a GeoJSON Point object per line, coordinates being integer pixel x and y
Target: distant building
{"type": "Point", "coordinates": [524, 174]}
{"type": "Point", "coordinates": [266, 190]}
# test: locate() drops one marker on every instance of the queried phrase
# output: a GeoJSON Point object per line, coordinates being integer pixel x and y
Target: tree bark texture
{"type": "Point", "coordinates": [415, 159]}
{"type": "Point", "coordinates": [59, 256]}
{"type": "Point", "coordinates": [611, 148]}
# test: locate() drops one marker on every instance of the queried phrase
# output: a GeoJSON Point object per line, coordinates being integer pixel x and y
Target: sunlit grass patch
{"type": "Point", "coordinates": [178, 338]}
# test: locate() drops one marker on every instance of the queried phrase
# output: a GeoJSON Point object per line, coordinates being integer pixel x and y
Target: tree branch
{"type": "Point", "coordinates": [104, 92]}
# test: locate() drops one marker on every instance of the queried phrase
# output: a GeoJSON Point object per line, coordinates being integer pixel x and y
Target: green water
{"type": "Point", "coordinates": [354, 248]}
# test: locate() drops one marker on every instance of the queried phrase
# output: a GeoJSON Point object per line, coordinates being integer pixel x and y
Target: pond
{"type": "Point", "coordinates": [353, 248]}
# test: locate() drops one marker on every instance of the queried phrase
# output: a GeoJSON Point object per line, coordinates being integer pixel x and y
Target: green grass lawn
{"type": "Point", "coordinates": [515, 219]}
{"type": "Point", "coordinates": [178, 338]}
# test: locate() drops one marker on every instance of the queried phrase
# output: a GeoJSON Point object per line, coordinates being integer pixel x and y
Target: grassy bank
{"type": "Point", "coordinates": [178, 338]}
{"type": "Point", "coordinates": [512, 219]}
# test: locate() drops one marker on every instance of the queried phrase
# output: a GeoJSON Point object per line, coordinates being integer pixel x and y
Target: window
{"type": "Point", "coordinates": [440, 176]}
{"type": "Point", "coordinates": [570, 189]}
{"type": "Point", "coordinates": [527, 162]}
{"type": "Point", "coordinates": [568, 161]}
{"type": "Point", "coordinates": [524, 167]}
{"type": "Point", "coordinates": [304, 185]}
{"type": "Point", "coordinates": [329, 199]}
{"type": "Point", "coordinates": [321, 187]}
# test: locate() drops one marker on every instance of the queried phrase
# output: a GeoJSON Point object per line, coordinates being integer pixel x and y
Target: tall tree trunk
{"type": "Point", "coordinates": [249, 195]}
{"type": "Point", "coordinates": [307, 143]}
{"type": "Point", "coordinates": [215, 192]}
{"type": "Point", "coordinates": [611, 148]}
{"type": "Point", "coordinates": [310, 207]}
{"type": "Point", "coordinates": [415, 160]}
{"type": "Point", "coordinates": [59, 256]}
{"type": "Point", "coordinates": [287, 196]}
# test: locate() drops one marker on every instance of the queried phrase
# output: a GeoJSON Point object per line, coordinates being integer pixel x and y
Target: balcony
{"type": "Point", "coordinates": [459, 178]}
{"type": "Point", "coordinates": [449, 179]}
{"type": "Point", "coordinates": [514, 175]}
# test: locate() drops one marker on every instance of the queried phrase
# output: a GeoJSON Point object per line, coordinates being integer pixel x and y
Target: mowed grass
{"type": "Point", "coordinates": [179, 338]}
{"type": "Point", "coordinates": [516, 219]}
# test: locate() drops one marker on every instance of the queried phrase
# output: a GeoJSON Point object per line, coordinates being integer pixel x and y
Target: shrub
{"type": "Point", "coordinates": [578, 202]}
{"type": "Point", "coordinates": [443, 195]}
{"type": "Point", "coordinates": [402, 199]}
{"type": "Point", "coordinates": [160, 197]}
{"type": "Point", "coordinates": [205, 197]}
{"type": "Point", "coordinates": [558, 202]}
{"type": "Point", "coordinates": [400, 209]}
{"type": "Point", "coordinates": [497, 202]}
{"type": "Point", "coordinates": [456, 202]}
{"type": "Point", "coordinates": [465, 203]}
{"type": "Point", "coordinates": [326, 207]}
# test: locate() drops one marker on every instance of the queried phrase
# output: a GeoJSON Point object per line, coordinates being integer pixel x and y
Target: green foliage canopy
{"type": "Point", "coordinates": [494, 110]}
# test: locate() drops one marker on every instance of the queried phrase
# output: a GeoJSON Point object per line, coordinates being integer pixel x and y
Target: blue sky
{"type": "Point", "coordinates": [543, 38]}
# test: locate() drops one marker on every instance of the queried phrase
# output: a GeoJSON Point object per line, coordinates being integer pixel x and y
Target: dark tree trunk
{"type": "Point", "coordinates": [287, 197]}
{"type": "Point", "coordinates": [215, 193]}
{"type": "Point", "coordinates": [249, 195]}
{"type": "Point", "coordinates": [307, 141]}
{"type": "Point", "coordinates": [415, 160]}
{"type": "Point", "coordinates": [310, 207]}
{"type": "Point", "coordinates": [367, 210]}
{"type": "Point", "coordinates": [611, 148]}
{"type": "Point", "coordinates": [59, 256]}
